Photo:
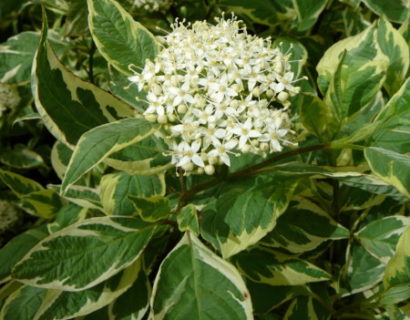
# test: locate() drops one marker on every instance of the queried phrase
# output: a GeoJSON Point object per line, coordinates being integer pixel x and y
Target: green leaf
{"type": "Point", "coordinates": [120, 39]}
{"type": "Point", "coordinates": [60, 157]}
{"type": "Point", "coordinates": [261, 11]}
{"type": "Point", "coordinates": [134, 303]}
{"type": "Point", "coordinates": [83, 196]}
{"type": "Point", "coordinates": [307, 12]}
{"type": "Point", "coordinates": [317, 117]}
{"type": "Point", "coordinates": [391, 167]}
{"type": "Point", "coordinates": [62, 260]}
{"type": "Point", "coordinates": [271, 267]}
{"type": "Point", "coordinates": [115, 189]}
{"type": "Point", "coordinates": [153, 208]}
{"type": "Point", "coordinates": [66, 216]}
{"type": "Point", "coordinates": [10, 6]}
{"type": "Point", "coordinates": [187, 219]}
{"type": "Point", "coordinates": [306, 308]}
{"type": "Point", "coordinates": [380, 237]}
{"type": "Point", "coordinates": [396, 11]}
{"type": "Point", "coordinates": [17, 53]}
{"type": "Point", "coordinates": [194, 283]}
{"type": "Point", "coordinates": [393, 132]}
{"type": "Point", "coordinates": [359, 72]}
{"type": "Point", "coordinates": [303, 227]}
{"type": "Point", "coordinates": [99, 143]}
{"type": "Point", "coordinates": [394, 46]}
{"type": "Point", "coordinates": [17, 248]}
{"type": "Point", "coordinates": [144, 158]}
{"type": "Point", "coordinates": [60, 305]}
{"type": "Point", "coordinates": [296, 51]}
{"type": "Point", "coordinates": [363, 58]}
{"type": "Point", "coordinates": [127, 91]}
{"type": "Point", "coordinates": [244, 214]}
{"type": "Point", "coordinates": [21, 158]}
{"type": "Point", "coordinates": [363, 271]}
{"type": "Point", "coordinates": [398, 269]}
{"type": "Point", "coordinates": [68, 105]}
{"type": "Point", "coordinates": [20, 185]}
{"type": "Point", "coordinates": [44, 203]}
{"type": "Point", "coordinates": [33, 198]}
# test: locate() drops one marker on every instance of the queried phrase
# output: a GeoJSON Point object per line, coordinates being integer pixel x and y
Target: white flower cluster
{"type": "Point", "coordinates": [153, 5]}
{"type": "Point", "coordinates": [8, 215]}
{"type": "Point", "coordinates": [9, 97]}
{"type": "Point", "coordinates": [217, 91]}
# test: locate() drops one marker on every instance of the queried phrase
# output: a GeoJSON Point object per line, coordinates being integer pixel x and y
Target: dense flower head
{"type": "Point", "coordinates": [218, 90]}
{"type": "Point", "coordinates": [9, 97]}
{"type": "Point", "coordinates": [153, 5]}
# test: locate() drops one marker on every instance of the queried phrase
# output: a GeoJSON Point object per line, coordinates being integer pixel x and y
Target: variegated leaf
{"type": "Point", "coordinates": [115, 189]}
{"type": "Point", "coordinates": [363, 271]}
{"type": "Point", "coordinates": [263, 265]}
{"type": "Point", "coordinates": [303, 227]}
{"type": "Point", "coordinates": [61, 305]}
{"type": "Point", "coordinates": [60, 157]}
{"type": "Point", "coordinates": [62, 261]}
{"type": "Point", "coordinates": [194, 283]}
{"type": "Point", "coordinates": [356, 71]}
{"type": "Point", "coordinates": [396, 11]}
{"type": "Point", "coordinates": [134, 303]}
{"type": "Point", "coordinates": [83, 196]}
{"type": "Point", "coordinates": [17, 248]}
{"type": "Point", "coordinates": [120, 39]}
{"type": "Point", "coordinates": [244, 213]}
{"type": "Point", "coordinates": [306, 308]}
{"type": "Point", "coordinates": [144, 158]}
{"type": "Point", "coordinates": [398, 268]}
{"type": "Point", "coordinates": [391, 167]}
{"type": "Point", "coordinates": [33, 198]}
{"type": "Point", "coordinates": [21, 158]}
{"type": "Point", "coordinates": [16, 55]}
{"type": "Point", "coordinates": [153, 208]}
{"type": "Point", "coordinates": [394, 46]}
{"type": "Point", "coordinates": [380, 237]}
{"type": "Point", "coordinates": [68, 105]}
{"type": "Point", "coordinates": [66, 216]}
{"type": "Point", "coordinates": [187, 219]}
{"type": "Point", "coordinates": [99, 143]}
{"type": "Point", "coordinates": [393, 132]}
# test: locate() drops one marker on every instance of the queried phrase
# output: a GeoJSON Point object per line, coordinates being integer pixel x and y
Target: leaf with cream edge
{"type": "Point", "coordinates": [394, 46]}
{"type": "Point", "coordinates": [306, 308]}
{"type": "Point", "coordinates": [263, 265]}
{"type": "Point", "coordinates": [61, 305]}
{"type": "Point", "coordinates": [68, 105]}
{"type": "Point", "coordinates": [33, 198]}
{"type": "Point", "coordinates": [303, 227]}
{"type": "Point", "coordinates": [134, 303]}
{"type": "Point", "coordinates": [99, 143]}
{"type": "Point", "coordinates": [391, 167]}
{"type": "Point", "coordinates": [120, 40]}
{"type": "Point", "coordinates": [396, 11]}
{"type": "Point", "coordinates": [357, 47]}
{"type": "Point", "coordinates": [358, 70]}
{"type": "Point", "coordinates": [380, 237]}
{"type": "Point", "coordinates": [17, 248]}
{"type": "Point", "coordinates": [144, 158]}
{"type": "Point", "coordinates": [60, 157]}
{"type": "Point", "coordinates": [244, 214]}
{"type": "Point", "coordinates": [115, 189]}
{"type": "Point", "coordinates": [194, 283]}
{"type": "Point", "coordinates": [393, 131]}
{"type": "Point", "coordinates": [62, 261]}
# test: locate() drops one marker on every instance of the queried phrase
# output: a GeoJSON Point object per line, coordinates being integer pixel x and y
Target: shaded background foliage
{"type": "Point", "coordinates": [320, 231]}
